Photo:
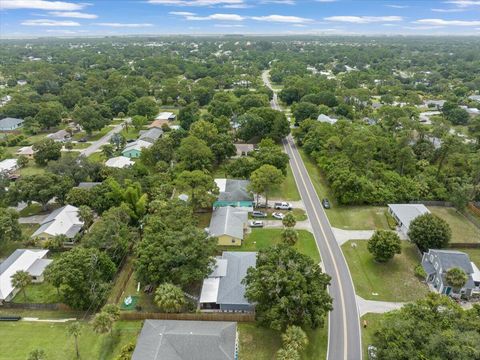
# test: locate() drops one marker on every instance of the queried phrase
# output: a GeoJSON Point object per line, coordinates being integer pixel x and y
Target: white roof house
{"type": "Point", "coordinates": [474, 97]}
{"type": "Point", "coordinates": [119, 162]}
{"type": "Point", "coordinates": [26, 150]}
{"type": "Point", "coordinates": [62, 221]}
{"type": "Point", "coordinates": [404, 214]}
{"type": "Point", "coordinates": [165, 116]}
{"type": "Point", "coordinates": [30, 260]}
{"type": "Point", "coordinates": [8, 165]}
{"type": "Point", "coordinates": [327, 119]}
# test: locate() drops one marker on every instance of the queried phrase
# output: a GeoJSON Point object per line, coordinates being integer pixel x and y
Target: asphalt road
{"type": "Point", "coordinates": [96, 145]}
{"type": "Point", "coordinates": [344, 336]}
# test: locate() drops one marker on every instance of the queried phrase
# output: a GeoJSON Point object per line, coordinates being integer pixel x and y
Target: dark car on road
{"type": "Point", "coordinates": [326, 203]}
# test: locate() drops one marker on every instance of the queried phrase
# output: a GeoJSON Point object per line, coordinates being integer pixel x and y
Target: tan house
{"type": "Point", "coordinates": [243, 149]}
{"type": "Point", "coordinates": [228, 224]}
{"type": "Point", "coordinates": [26, 151]}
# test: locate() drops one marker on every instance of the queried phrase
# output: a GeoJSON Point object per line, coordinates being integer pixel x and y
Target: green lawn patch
{"type": "Point", "coordinates": [259, 343]}
{"type": "Point", "coordinates": [53, 338]}
{"type": "Point", "coordinates": [7, 248]}
{"type": "Point", "coordinates": [203, 219]}
{"type": "Point", "coordinates": [80, 145]}
{"type": "Point", "coordinates": [392, 281]}
{"type": "Point", "coordinates": [29, 229]}
{"type": "Point", "coordinates": [32, 209]}
{"type": "Point", "coordinates": [286, 191]}
{"type": "Point", "coordinates": [32, 169]}
{"type": "Point", "coordinates": [97, 157]}
{"type": "Point", "coordinates": [345, 217]}
{"type": "Point", "coordinates": [43, 293]}
{"type": "Point", "coordinates": [262, 238]}
{"type": "Point", "coordinates": [463, 230]}
{"type": "Point", "coordinates": [143, 300]}
{"type": "Point", "coordinates": [374, 322]}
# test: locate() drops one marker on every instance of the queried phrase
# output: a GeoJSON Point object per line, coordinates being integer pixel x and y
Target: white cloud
{"type": "Point", "coordinates": [450, 10]}
{"type": "Point", "coordinates": [196, 2]}
{"type": "Point", "coordinates": [398, 6]}
{"type": "Point", "coordinates": [282, 19]}
{"type": "Point", "coordinates": [442, 22]}
{"type": "Point", "coordinates": [73, 14]}
{"type": "Point", "coordinates": [464, 3]}
{"type": "Point", "coordinates": [363, 19]}
{"type": "Point", "coordinates": [423, 27]}
{"type": "Point", "coordinates": [121, 25]}
{"type": "Point", "coordinates": [220, 17]}
{"type": "Point", "coordinates": [229, 25]}
{"type": "Point", "coordinates": [326, 1]}
{"type": "Point", "coordinates": [48, 22]}
{"type": "Point", "coordinates": [40, 5]}
{"type": "Point", "coordinates": [282, 2]}
{"type": "Point", "coordinates": [182, 13]}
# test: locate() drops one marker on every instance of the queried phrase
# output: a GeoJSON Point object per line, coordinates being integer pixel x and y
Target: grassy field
{"type": "Point", "coordinates": [43, 293]}
{"type": "Point", "coordinates": [345, 217]}
{"type": "Point", "coordinates": [97, 157]}
{"type": "Point", "coordinates": [31, 169]}
{"type": "Point", "coordinates": [32, 209]}
{"type": "Point", "coordinates": [263, 238]}
{"type": "Point", "coordinates": [287, 191]}
{"type": "Point", "coordinates": [258, 343]}
{"type": "Point", "coordinates": [373, 324]}
{"type": "Point", "coordinates": [392, 281]}
{"type": "Point", "coordinates": [463, 230]}
{"type": "Point", "coordinates": [23, 337]}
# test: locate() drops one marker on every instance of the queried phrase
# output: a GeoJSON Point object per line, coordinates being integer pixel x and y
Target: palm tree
{"type": "Point", "coordinates": [287, 354]}
{"type": "Point", "coordinates": [169, 298]}
{"type": "Point", "coordinates": [85, 214]}
{"type": "Point", "coordinates": [21, 279]}
{"type": "Point", "coordinates": [289, 236]}
{"type": "Point", "coordinates": [102, 323]}
{"type": "Point", "coordinates": [113, 310]}
{"type": "Point", "coordinates": [289, 220]}
{"type": "Point", "coordinates": [295, 338]}
{"type": "Point", "coordinates": [74, 330]}
{"type": "Point", "coordinates": [456, 278]}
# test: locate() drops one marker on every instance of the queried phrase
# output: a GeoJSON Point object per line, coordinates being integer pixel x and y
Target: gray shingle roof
{"type": "Point", "coordinates": [9, 122]}
{"type": "Point", "coordinates": [231, 290]}
{"type": "Point", "coordinates": [88, 185]}
{"type": "Point", "coordinates": [450, 258]}
{"type": "Point", "coordinates": [406, 213]}
{"type": "Point", "coordinates": [151, 135]}
{"type": "Point", "coordinates": [186, 340]}
{"type": "Point", "coordinates": [228, 221]}
{"type": "Point", "coordinates": [236, 190]}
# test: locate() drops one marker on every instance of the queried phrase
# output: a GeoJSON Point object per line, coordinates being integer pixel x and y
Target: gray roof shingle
{"type": "Point", "coordinates": [236, 190]}
{"type": "Point", "coordinates": [231, 290]}
{"type": "Point", "coordinates": [186, 340]}
{"type": "Point", "coordinates": [9, 122]}
{"type": "Point", "coordinates": [228, 221]}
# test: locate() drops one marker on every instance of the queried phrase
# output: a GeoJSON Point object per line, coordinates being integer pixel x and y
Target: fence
{"type": "Point", "coordinates": [433, 203]}
{"type": "Point", "coordinates": [474, 208]}
{"type": "Point", "coordinates": [213, 316]}
{"type": "Point", "coordinates": [464, 245]}
{"type": "Point", "coordinates": [34, 306]}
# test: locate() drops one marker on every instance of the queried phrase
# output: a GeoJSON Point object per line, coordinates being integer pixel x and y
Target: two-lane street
{"type": "Point", "coordinates": [344, 336]}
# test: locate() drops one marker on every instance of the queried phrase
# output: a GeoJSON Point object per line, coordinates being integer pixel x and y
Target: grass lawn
{"type": "Point", "coordinates": [392, 281]}
{"type": "Point", "coordinates": [80, 145]}
{"type": "Point", "coordinates": [286, 191]}
{"type": "Point", "coordinates": [263, 238]}
{"type": "Point", "coordinates": [32, 169]}
{"type": "Point", "coordinates": [53, 338]}
{"type": "Point", "coordinates": [373, 324]}
{"type": "Point", "coordinates": [32, 209]}
{"type": "Point", "coordinates": [463, 230]}
{"type": "Point", "coordinates": [145, 301]}
{"type": "Point", "coordinates": [345, 217]}
{"type": "Point", "coordinates": [43, 293]}
{"type": "Point", "coordinates": [29, 229]}
{"type": "Point", "coordinates": [7, 248]}
{"type": "Point", "coordinates": [203, 219]}
{"type": "Point", "coordinates": [259, 343]}
{"type": "Point", "coordinates": [97, 157]}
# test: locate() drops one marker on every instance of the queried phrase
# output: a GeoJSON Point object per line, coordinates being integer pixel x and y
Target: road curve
{"type": "Point", "coordinates": [344, 336]}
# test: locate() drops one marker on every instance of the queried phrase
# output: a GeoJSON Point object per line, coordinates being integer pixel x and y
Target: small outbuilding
{"type": "Point", "coordinates": [404, 214]}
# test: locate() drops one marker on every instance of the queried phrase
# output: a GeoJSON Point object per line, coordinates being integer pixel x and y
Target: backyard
{"type": "Point", "coordinates": [391, 281]}
{"type": "Point", "coordinates": [262, 238]}
{"type": "Point", "coordinates": [463, 230]}
{"type": "Point", "coordinates": [23, 337]}
{"type": "Point", "coordinates": [43, 293]}
{"type": "Point", "coordinates": [287, 191]}
{"type": "Point", "coordinates": [259, 343]}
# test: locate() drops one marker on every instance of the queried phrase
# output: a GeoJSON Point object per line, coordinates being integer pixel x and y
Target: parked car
{"type": "Point", "coordinates": [256, 224]}
{"type": "Point", "coordinates": [82, 140]}
{"type": "Point", "coordinates": [261, 206]}
{"type": "Point", "coordinates": [130, 141]}
{"type": "Point", "coordinates": [259, 214]}
{"type": "Point", "coordinates": [278, 215]}
{"type": "Point", "coordinates": [283, 206]}
{"type": "Point", "coordinates": [326, 203]}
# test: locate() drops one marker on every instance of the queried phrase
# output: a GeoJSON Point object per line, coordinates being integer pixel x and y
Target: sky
{"type": "Point", "coordinates": [27, 18]}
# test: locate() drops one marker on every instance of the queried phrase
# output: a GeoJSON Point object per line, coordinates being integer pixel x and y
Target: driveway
{"type": "Point", "coordinates": [378, 307]}
{"type": "Point", "coordinates": [96, 145]}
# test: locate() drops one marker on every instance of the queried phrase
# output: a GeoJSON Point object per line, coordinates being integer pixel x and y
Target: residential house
{"type": "Point", "coordinates": [62, 221]}
{"type": "Point", "coordinates": [474, 97]}
{"type": "Point", "coordinates": [8, 166]}
{"type": "Point", "coordinates": [436, 104]}
{"type": "Point", "coordinates": [22, 82]}
{"type": "Point", "coordinates": [166, 116]}
{"type": "Point", "coordinates": [151, 135]}
{"type": "Point", "coordinates": [60, 136]}
{"type": "Point", "coordinates": [26, 151]}
{"type": "Point", "coordinates": [88, 185]}
{"type": "Point", "coordinates": [134, 149]}
{"type": "Point", "coordinates": [32, 261]}
{"type": "Point", "coordinates": [244, 149]}
{"type": "Point", "coordinates": [228, 224]}
{"type": "Point", "coordinates": [436, 264]}
{"type": "Point", "coordinates": [404, 214]}
{"type": "Point", "coordinates": [187, 340]}
{"type": "Point", "coordinates": [10, 124]}
{"type": "Point", "coordinates": [471, 111]}
{"type": "Point", "coordinates": [326, 119]}
{"type": "Point", "coordinates": [424, 117]}
{"type": "Point", "coordinates": [234, 193]}
{"type": "Point", "coordinates": [119, 162]}
{"type": "Point", "coordinates": [223, 289]}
